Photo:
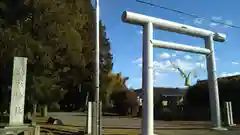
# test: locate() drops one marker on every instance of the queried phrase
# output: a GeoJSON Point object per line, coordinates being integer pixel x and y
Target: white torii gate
{"type": "Point", "coordinates": [149, 43]}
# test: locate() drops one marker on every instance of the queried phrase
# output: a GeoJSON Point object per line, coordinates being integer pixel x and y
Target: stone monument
{"type": "Point", "coordinates": [18, 91]}
{"type": "Point", "coordinates": [16, 117]}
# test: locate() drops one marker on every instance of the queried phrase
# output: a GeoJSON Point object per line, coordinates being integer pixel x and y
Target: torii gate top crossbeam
{"type": "Point", "coordinates": [158, 23]}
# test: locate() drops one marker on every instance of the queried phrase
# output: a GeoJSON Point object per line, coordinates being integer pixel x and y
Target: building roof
{"type": "Point", "coordinates": [168, 91]}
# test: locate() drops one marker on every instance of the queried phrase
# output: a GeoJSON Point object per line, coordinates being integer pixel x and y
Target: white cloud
{"type": "Point", "coordinates": [187, 57]}
{"type": "Point", "coordinates": [198, 21]}
{"type": "Point", "coordinates": [217, 18]}
{"type": "Point", "coordinates": [166, 66]}
{"type": "Point", "coordinates": [229, 22]}
{"type": "Point", "coordinates": [174, 55]}
{"type": "Point", "coordinates": [201, 57]}
{"type": "Point", "coordinates": [165, 55]}
{"type": "Point", "coordinates": [156, 73]}
{"type": "Point", "coordinates": [137, 60]}
{"type": "Point", "coordinates": [163, 68]}
{"type": "Point", "coordinates": [213, 24]}
{"type": "Point", "coordinates": [225, 74]}
{"type": "Point", "coordinates": [201, 65]}
{"type": "Point", "coordinates": [140, 32]}
{"type": "Point", "coordinates": [180, 52]}
{"type": "Point", "coordinates": [235, 63]}
{"type": "Point", "coordinates": [140, 65]}
{"type": "Point", "coordinates": [156, 80]}
{"type": "Point", "coordinates": [185, 65]}
{"type": "Point", "coordinates": [158, 76]}
{"type": "Point", "coordinates": [181, 17]}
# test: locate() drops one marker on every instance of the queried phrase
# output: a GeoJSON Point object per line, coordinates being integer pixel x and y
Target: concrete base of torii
{"type": "Point", "coordinates": [219, 128]}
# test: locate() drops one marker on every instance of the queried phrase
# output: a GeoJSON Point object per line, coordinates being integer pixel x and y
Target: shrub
{"type": "Point", "coordinates": [54, 107]}
{"type": "Point", "coordinates": [124, 101]}
{"type": "Point", "coordinates": [197, 97]}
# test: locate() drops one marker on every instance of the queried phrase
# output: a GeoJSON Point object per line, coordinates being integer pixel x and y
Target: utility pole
{"type": "Point", "coordinates": [96, 110]}
{"type": "Point", "coordinates": [97, 52]}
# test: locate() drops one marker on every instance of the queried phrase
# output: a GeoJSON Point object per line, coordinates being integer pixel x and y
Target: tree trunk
{"type": "Point", "coordinates": [34, 109]}
{"type": "Point", "coordinates": [44, 111]}
{"type": "Point", "coordinates": [107, 99]}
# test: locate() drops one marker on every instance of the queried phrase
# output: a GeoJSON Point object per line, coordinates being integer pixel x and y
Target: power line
{"type": "Point", "coordinates": [184, 13]}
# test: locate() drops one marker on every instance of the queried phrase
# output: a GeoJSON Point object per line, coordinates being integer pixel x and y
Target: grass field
{"type": "Point", "coordinates": [58, 130]}
{"type": "Point", "coordinates": [74, 124]}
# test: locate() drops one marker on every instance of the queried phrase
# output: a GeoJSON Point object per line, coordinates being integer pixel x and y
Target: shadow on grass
{"type": "Point", "coordinates": [234, 128]}
{"type": "Point", "coordinates": [104, 114]}
{"type": "Point", "coordinates": [60, 132]}
{"type": "Point", "coordinates": [161, 128]}
{"type": "Point", "coordinates": [81, 114]}
{"type": "Point", "coordinates": [45, 123]}
{"type": "Point", "coordinates": [115, 134]}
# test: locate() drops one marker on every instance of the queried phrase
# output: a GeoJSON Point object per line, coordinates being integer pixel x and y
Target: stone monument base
{"type": "Point", "coordinates": [25, 129]}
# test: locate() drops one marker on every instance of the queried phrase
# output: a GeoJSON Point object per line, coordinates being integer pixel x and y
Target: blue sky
{"type": "Point", "coordinates": [126, 39]}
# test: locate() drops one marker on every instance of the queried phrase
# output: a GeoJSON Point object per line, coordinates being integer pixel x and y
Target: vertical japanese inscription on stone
{"type": "Point", "coordinates": [18, 91]}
